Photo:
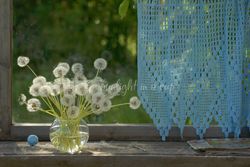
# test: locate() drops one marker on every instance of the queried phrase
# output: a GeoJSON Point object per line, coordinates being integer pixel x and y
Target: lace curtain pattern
{"type": "Point", "coordinates": [194, 63]}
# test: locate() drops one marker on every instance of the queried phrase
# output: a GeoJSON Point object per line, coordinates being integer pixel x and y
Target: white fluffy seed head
{"type": "Point", "coordinates": [73, 112]}
{"type": "Point", "coordinates": [33, 105]}
{"type": "Point", "coordinates": [65, 65]}
{"type": "Point", "coordinates": [45, 91]}
{"type": "Point", "coordinates": [100, 64]}
{"type": "Point", "coordinates": [68, 100]}
{"type": "Point", "coordinates": [93, 89]}
{"type": "Point", "coordinates": [69, 90]}
{"type": "Point", "coordinates": [55, 90]}
{"type": "Point", "coordinates": [78, 78]}
{"type": "Point", "coordinates": [96, 109]}
{"type": "Point", "coordinates": [82, 89]}
{"type": "Point", "coordinates": [39, 80]}
{"type": "Point", "coordinates": [22, 61]}
{"type": "Point", "coordinates": [62, 82]}
{"type": "Point", "coordinates": [98, 81]}
{"type": "Point", "coordinates": [114, 90]}
{"type": "Point", "coordinates": [34, 90]}
{"type": "Point", "coordinates": [98, 98]}
{"type": "Point", "coordinates": [22, 99]}
{"type": "Point", "coordinates": [77, 68]}
{"type": "Point", "coordinates": [60, 71]}
{"type": "Point", "coordinates": [106, 105]}
{"type": "Point", "coordinates": [134, 103]}
{"type": "Point", "coordinates": [49, 84]}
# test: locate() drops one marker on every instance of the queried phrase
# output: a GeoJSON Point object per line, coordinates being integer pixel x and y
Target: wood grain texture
{"type": "Point", "coordinates": [5, 66]}
{"type": "Point", "coordinates": [123, 161]}
{"type": "Point", "coordinates": [131, 132]}
{"type": "Point", "coordinates": [97, 132]}
{"type": "Point", "coordinates": [117, 154]}
{"type": "Point", "coordinates": [220, 144]}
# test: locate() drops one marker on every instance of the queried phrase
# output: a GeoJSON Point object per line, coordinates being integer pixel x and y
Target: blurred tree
{"type": "Point", "coordinates": [82, 29]}
{"type": "Point", "coordinates": [75, 31]}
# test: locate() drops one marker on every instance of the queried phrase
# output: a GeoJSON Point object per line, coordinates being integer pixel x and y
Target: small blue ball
{"type": "Point", "coordinates": [32, 140]}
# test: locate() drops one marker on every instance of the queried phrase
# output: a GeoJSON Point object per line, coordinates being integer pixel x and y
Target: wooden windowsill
{"type": "Point", "coordinates": [120, 154]}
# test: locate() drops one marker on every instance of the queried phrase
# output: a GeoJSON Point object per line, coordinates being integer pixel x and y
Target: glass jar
{"type": "Point", "coordinates": [70, 135]}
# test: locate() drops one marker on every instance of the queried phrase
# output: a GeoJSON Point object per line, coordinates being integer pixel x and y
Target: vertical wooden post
{"type": "Point", "coordinates": [5, 67]}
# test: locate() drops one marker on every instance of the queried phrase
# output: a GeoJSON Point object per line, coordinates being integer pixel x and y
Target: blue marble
{"type": "Point", "coordinates": [32, 140]}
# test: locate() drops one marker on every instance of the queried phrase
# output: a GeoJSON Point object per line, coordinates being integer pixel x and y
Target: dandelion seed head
{"type": "Point", "coordinates": [45, 91]}
{"type": "Point", "coordinates": [22, 99]}
{"type": "Point", "coordinates": [82, 89]}
{"type": "Point", "coordinates": [97, 98]}
{"type": "Point", "coordinates": [65, 65]}
{"type": "Point", "coordinates": [73, 112]}
{"type": "Point", "coordinates": [39, 80]}
{"type": "Point", "coordinates": [22, 61]}
{"type": "Point", "coordinates": [93, 89]}
{"type": "Point", "coordinates": [55, 90]}
{"type": "Point", "coordinates": [134, 103]}
{"type": "Point", "coordinates": [105, 105]}
{"type": "Point", "coordinates": [96, 109]}
{"type": "Point", "coordinates": [77, 68]}
{"type": "Point", "coordinates": [60, 71]}
{"type": "Point", "coordinates": [114, 90]}
{"type": "Point", "coordinates": [68, 100]}
{"type": "Point", "coordinates": [33, 105]}
{"type": "Point", "coordinates": [100, 64]}
{"type": "Point", "coordinates": [34, 90]}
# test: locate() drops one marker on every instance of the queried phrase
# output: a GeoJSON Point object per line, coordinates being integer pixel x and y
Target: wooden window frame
{"type": "Point", "coordinates": [10, 131]}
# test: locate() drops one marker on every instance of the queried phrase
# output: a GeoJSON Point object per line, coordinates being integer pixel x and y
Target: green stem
{"type": "Point", "coordinates": [31, 70]}
{"type": "Point", "coordinates": [97, 73]}
{"type": "Point", "coordinates": [85, 114]}
{"type": "Point", "coordinates": [47, 112]}
{"type": "Point", "coordinates": [118, 105]}
{"type": "Point", "coordinates": [55, 102]}
{"type": "Point", "coordinates": [50, 106]}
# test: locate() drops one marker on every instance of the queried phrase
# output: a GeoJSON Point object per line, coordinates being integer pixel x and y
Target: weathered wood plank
{"type": "Point", "coordinates": [122, 161]}
{"type": "Point", "coordinates": [139, 132]}
{"type": "Point", "coordinates": [117, 154]}
{"type": "Point", "coordinates": [220, 144]}
{"type": "Point", "coordinates": [102, 148]}
{"type": "Point", "coordinates": [5, 66]}
{"type": "Point", "coordinates": [97, 132]}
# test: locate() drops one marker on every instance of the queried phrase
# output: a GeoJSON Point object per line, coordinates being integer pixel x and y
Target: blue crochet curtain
{"type": "Point", "coordinates": [194, 62]}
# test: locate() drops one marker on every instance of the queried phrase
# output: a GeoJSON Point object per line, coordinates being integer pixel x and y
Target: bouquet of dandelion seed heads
{"type": "Point", "coordinates": [73, 98]}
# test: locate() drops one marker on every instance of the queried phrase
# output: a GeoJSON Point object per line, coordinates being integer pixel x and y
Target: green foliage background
{"type": "Point", "coordinates": [75, 31]}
